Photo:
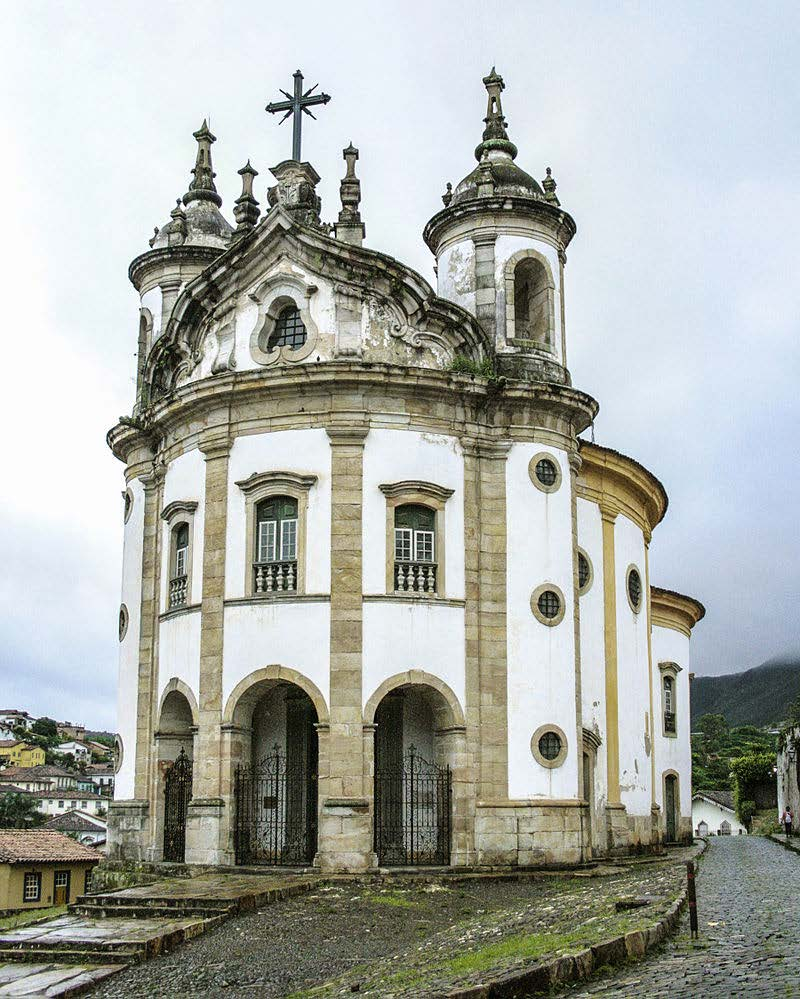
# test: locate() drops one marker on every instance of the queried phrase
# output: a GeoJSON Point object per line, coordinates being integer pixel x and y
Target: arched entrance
{"type": "Point", "coordinates": [414, 751]}
{"type": "Point", "coordinates": [175, 749]}
{"type": "Point", "coordinates": [671, 807]}
{"type": "Point", "coordinates": [275, 785]}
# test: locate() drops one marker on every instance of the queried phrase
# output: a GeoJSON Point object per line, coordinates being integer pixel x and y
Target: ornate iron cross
{"type": "Point", "coordinates": [295, 104]}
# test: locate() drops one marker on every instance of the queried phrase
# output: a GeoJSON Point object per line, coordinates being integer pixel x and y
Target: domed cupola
{"type": "Point", "coordinates": [500, 247]}
{"type": "Point", "coordinates": [196, 234]}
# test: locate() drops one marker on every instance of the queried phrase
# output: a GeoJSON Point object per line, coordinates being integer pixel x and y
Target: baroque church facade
{"type": "Point", "coordinates": [381, 605]}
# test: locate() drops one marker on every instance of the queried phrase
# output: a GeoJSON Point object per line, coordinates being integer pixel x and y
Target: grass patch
{"type": "Point", "coordinates": [391, 898]}
{"type": "Point", "coordinates": [29, 916]}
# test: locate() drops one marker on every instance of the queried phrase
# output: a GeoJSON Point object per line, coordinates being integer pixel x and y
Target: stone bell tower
{"type": "Point", "coordinates": [500, 245]}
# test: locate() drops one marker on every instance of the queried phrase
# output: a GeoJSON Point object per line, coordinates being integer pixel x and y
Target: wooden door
{"type": "Point", "coordinates": [61, 888]}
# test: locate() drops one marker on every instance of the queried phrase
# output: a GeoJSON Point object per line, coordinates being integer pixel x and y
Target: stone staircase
{"type": "Point", "coordinates": [105, 932]}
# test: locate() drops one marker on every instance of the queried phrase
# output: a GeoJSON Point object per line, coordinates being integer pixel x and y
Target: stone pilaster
{"type": "Point", "coordinates": [207, 835]}
{"type": "Point", "coordinates": [574, 468]}
{"type": "Point", "coordinates": [485, 284]}
{"type": "Point", "coordinates": [345, 821]}
{"type": "Point", "coordinates": [485, 614]}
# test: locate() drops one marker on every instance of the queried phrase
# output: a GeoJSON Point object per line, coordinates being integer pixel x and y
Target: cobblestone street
{"type": "Point", "coordinates": [749, 916]}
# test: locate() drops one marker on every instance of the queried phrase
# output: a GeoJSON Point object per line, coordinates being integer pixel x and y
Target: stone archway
{"type": "Point", "coordinates": [420, 786]}
{"type": "Point", "coordinates": [274, 741]}
{"type": "Point", "coordinates": [174, 744]}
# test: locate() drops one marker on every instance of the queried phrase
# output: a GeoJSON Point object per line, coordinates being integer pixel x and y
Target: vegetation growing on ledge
{"type": "Point", "coordinates": [466, 366]}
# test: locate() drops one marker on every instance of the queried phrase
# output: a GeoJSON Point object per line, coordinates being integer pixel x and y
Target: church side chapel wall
{"type": "Point", "coordinates": [593, 692]}
{"type": "Point", "coordinates": [673, 755]}
{"type": "Point", "coordinates": [633, 680]}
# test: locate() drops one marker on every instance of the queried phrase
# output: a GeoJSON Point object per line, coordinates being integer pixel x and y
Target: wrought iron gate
{"type": "Point", "coordinates": [412, 812]}
{"type": "Point", "coordinates": [177, 794]}
{"type": "Point", "coordinates": [276, 811]}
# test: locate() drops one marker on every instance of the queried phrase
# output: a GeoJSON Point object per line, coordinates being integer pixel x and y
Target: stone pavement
{"type": "Point", "coordinates": [103, 933]}
{"type": "Point", "coordinates": [748, 906]}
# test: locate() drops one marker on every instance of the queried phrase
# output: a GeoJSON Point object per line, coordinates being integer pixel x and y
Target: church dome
{"type": "Point", "coordinates": [506, 177]}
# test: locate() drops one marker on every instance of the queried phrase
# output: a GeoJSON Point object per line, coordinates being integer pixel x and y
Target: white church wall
{"type": "Point", "coordinates": [185, 480]}
{"type": "Point", "coordinates": [593, 664]}
{"type": "Point", "coordinates": [128, 682]}
{"type": "Point", "coordinates": [401, 635]}
{"type": "Point", "coordinates": [541, 659]}
{"type": "Point", "coordinates": [455, 272]}
{"type": "Point", "coordinates": [672, 646]}
{"type": "Point", "coordinates": [279, 632]}
{"type": "Point", "coordinates": [302, 451]}
{"type": "Point", "coordinates": [504, 248]}
{"type": "Point", "coordinates": [633, 673]}
{"type": "Point", "coordinates": [397, 456]}
{"type": "Point", "coordinates": [179, 652]}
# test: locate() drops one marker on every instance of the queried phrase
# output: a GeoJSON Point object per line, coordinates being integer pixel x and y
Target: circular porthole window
{"type": "Point", "coordinates": [123, 621]}
{"type": "Point", "coordinates": [634, 588]}
{"type": "Point", "coordinates": [549, 746]}
{"type": "Point", "coordinates": [119, 753]}
{"type": "Point", "coordinates": [545, 472]}
{"type": "Point", "coordinates": [585, 573]}
{"type": "Point", "coordinates": [547, 604]}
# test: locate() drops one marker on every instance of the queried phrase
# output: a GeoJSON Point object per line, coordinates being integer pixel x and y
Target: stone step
{"type": "Point", "coordinates": [168, 902]}
{"type": "Point", "coordinates": [148, 911]}
{"type": "Point", "coordinates": [68, 957]}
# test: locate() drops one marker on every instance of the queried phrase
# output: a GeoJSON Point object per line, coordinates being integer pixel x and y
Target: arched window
{"type": "Point", "coordinates": [179, 565]}
{"type": "Point", "coordinates": [669, 705]}
{"type": "Point", "coordinates": [275, 557]}
{"type": "Point", "coordinates": [289, 329]}
{"type": "Point", "coordinates": [532, 301]}
{"type": "Point", "coordinates": [415, 548]}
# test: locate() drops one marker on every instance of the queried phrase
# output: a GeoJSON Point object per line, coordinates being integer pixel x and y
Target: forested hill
{"type": "Point", "coordinates": [759, 696]}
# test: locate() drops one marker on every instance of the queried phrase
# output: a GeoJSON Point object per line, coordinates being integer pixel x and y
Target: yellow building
{"type": "Point", "coordinates": [41, 868]}
{"type": "Point", "coordinates": [20, 754]}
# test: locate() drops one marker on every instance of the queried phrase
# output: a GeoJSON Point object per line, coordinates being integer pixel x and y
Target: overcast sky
{"type": "Point", "coordinates": [672, 130]}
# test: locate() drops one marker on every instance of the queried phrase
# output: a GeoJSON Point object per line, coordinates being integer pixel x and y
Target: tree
{"type": "Point", "coordinates": [47, 727]}
{"type": "Point", "coordinates": [714, 729]}
{"type": "Point", "coordinates": [19, 811]}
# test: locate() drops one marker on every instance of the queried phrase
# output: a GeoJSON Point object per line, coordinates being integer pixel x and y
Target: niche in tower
{"type": "Point", "coordinates": [533, 302]}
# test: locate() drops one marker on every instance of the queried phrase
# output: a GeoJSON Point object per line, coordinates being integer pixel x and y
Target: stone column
{"type": "Point", "coordinates": [486, 622]}
{"type": "Point", "coordinates": [131, 823]}
{"type": "Point", "coordinates": [207, 821]}
{"type": "Point", "coordinates": [485, 284]}
{"type": "Point", "coordinates": [655, 810]}
{"type": "Point", "coordinates": [169, 296]}
{"type": "Point", "coordinates": [345, 822]}
{"type": "Point", "coordinates": [616, 823]}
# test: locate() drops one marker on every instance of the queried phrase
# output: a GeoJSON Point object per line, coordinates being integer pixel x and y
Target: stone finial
{"type": "Point", "coordinates": [350, 228]}
{"type": "Point", "coordinates": [202, 187]}
{"type": "Point", "coordinates": [495, 136]}
{"type": "Point", "coordinates": [246, 210]}
{"type": "Point", "coordinates": [296, 192]}
{"type": "Point", "coordinates": [549, 186]}
{"type": "Point", "coordinates": [447, 197]}
{"type": "Point", "coordinates": [175, 230]}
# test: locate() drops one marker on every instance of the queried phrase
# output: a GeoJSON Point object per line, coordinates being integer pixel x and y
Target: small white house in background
{"type": "Point", "coordinates": [78, 750]}
{"type": "Point", "coordinates": [713, 814]}
{"type": "Point", "coordinates": [87, 829]}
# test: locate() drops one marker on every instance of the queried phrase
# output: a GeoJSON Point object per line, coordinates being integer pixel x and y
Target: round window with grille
{"type": "Point", "coordinates": [584, 572]}
{"type": "Point", "coordinates": [634, 589]}
{"type": "Point", "coordinates": [549, 604]}
{"type": "Point", "coordinates": [549, 746]}
{"type": "Point", "coordinates": [546, 472]}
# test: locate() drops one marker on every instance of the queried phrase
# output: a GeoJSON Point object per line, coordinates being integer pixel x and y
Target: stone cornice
{"type": "Point", "coordinates": [178, 506]}
{"type": "Point", "coordinates": [473, 409]}
{"type": "Point", "coordinates": [559, 222]}
{"type": "Point", "coordinates": [169, 258]}
{"type": "Point", "coordinates": [276, 480]}
{"type": "Point", "coordinates": [396, 489]}
{"type": "Point", "coordinates": [670, 667]}
{"type": "Point", "coordinates": [620, 485]}
{"type": "Point", "coordinates": [675, 610]}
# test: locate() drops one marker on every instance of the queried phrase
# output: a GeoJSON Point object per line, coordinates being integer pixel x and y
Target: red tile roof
{"type": "Point", "coordinates": [31, 846]}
